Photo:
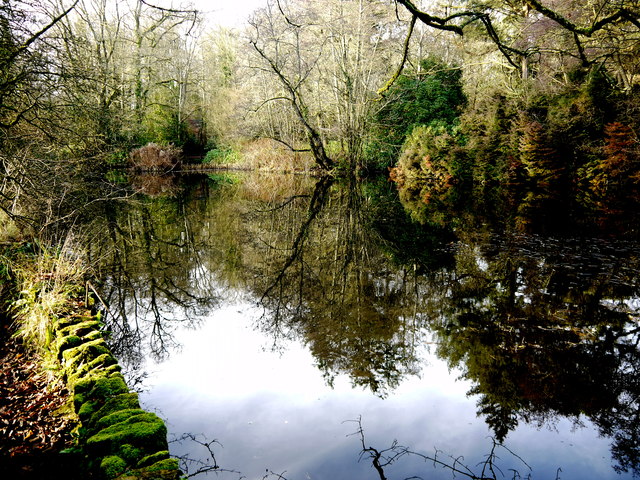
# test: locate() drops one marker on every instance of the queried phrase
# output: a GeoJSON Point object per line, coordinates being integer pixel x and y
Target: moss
{"type": "Point", "coordinates": [117, 417]}
{"type": "Point", "coordinates": [84, 385]}
{"type": "Point", "coordinates": [83, 327]}
{"type": "Point", "coordinates": [94, 335]}
{"type": "Point", "coordinates": [88, 374]}
{"type": "Point", "coordinates": [86, 352]}
{"type": "Point", "coordinates": [165, 471]}
{"type": "Point", "coordinates": [63, 322]}
{"type": "Point", "coordinates": [163, 465]}
{"type": "Point", "coordinates": [78, 400]}
{"type": "Point", "coordinates": [153, 458]}
{"type": "Point", "coordinates": [131, 454]}
{"type": "Point", "coordinates": [93, 396]}
{"type": "Point", "coordinates": [145, 431]}
{"type": "Point", "coordinates": [108, 387]}
{"type": "Point", "coordinates": [87, 409]}
{"type": "Point", "coordinates": [66, 343]}
{"type": "Point", "coordinates": [113, 370]}
{"type": "Point", "coordinates": [95, 368]}
{"type": "Point", "coordinates": [124, 401]}
{"type": "Point", "coordinates": [106, 395]}
{"type": "Point", "coordinates": [104, 360]}
{"type": "Point", "coordinates": [112, 466]}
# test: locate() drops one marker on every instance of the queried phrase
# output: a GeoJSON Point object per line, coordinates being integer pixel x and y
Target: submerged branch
{"type": "Point", "coordinates": [383, 458]}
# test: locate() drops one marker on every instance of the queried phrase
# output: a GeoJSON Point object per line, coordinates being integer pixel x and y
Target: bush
{"type": "Point", "coordinates": [222, 156]}
{"type": "Point", "coordinates": [431, 97]}
{"type": "Point", "coordinates": [430, 163]}
{"type": "Point", "coordinates": [153, 157]}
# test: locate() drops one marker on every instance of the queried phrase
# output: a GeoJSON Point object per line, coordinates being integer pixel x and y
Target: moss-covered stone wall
{"type": "Point", "coordinates": [117, 438]}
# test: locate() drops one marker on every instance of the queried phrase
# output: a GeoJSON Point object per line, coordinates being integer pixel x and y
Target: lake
{"type": "Point", "coordinates": [304, 328]}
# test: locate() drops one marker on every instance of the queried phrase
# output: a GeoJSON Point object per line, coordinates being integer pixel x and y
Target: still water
{"type": "Point", "coordinates": [300, 328]}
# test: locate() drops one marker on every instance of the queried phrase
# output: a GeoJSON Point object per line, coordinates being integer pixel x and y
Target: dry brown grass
{"type": "Point", "coordinates": [268, 155]}
{"type": "Point", "coordinates": [154, 158]}
{"type": "Point", "coordinates": [45, 281]}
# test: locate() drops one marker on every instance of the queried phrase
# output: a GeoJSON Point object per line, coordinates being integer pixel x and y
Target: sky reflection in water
{"type": "Point", "coordinates": [273, 411]}
{"type": "Point", "coordinates": [350, 287]}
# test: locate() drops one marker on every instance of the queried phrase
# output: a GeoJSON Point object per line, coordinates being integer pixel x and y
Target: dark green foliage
{"type": "Point", "coordinates": [548, 141]}
{"type": "Point", "coordinates": [432, 97]}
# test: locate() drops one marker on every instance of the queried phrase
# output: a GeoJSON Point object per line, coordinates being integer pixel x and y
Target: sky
{"type": "Point", "coordinates": [228, 13]}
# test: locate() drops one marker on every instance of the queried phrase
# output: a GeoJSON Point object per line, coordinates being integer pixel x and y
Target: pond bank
{"type": "Point", "coordinates": [64, 394]}
{"type": "Point", "coordinates": [32, 430]}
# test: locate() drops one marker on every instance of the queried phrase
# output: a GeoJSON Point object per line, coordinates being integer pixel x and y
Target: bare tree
{"type": "Point", "coordinates": [584, 23]}
{"type": "Point", "coordinates": [329, 59]}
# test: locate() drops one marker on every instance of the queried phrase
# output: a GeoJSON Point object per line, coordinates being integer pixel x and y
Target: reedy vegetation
{"type": "Point", "coordinates": [47, 280]}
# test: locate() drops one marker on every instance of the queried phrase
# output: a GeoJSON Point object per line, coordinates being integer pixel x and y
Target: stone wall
{"type": "Point", "coordinates": [117, 438]}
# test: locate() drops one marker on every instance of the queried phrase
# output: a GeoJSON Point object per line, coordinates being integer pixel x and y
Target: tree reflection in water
{"type": "Point", "coordinates": [542, 326]}
{"type": "Point", "coordinates": [154, 269]}
{"type": "Point", "coordinates": [331, 285]}
{"type": "Point", "coordinates": [545, 330]}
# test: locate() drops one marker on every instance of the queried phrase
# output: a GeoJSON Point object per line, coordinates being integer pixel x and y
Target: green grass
{"type": "Point", "coordinates": [45, 281]}
{"type": "Point", "coordinates": [222, 156]}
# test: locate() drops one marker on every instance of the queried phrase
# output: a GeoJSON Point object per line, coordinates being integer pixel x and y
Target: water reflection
{"type": "Point", "coordinates": [545, 329]}
{"type": "Point", "coordinates": [542, 327]}
{"type": "Point", "coordinates": [329, 284]}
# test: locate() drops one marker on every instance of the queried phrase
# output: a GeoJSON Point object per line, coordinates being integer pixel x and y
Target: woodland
{"type": "Point", "coordinates": [525, 94]}
{"type": "Point", "coordinates": [535, 101]}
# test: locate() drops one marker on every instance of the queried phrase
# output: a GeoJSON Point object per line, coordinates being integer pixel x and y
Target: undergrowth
{"type": "Point", "coordinates": [45, 279]}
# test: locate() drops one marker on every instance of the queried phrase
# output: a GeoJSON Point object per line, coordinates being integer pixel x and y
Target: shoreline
{"type": "Point", "coordinates": [66, 408]}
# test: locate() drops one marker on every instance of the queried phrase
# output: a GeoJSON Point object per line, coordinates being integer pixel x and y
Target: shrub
{"type": "Point", "coordinates": [428, 163]}
{"type": "Point", "coordinates": [433, 97]}
{"type": "Point", "coordinates": [153, 157]}
{"type": "Point", "coordinates": [222, 156]}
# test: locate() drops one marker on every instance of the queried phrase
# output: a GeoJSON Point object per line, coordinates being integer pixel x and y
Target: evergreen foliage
{"type": "Point", "coordinates": [575, 142]}
{"type": "Point", "coordinates": [431, 96]}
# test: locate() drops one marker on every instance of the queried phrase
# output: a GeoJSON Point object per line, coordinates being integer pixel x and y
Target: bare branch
{"type": "Point", "coordinates": [469, 17]}
{"type": "Point", "coordinates": [38, 34]}
{"type": "Point", "coordinates": [405, 54]}
{"type": "Point", "coordinates": [386, 457]}
{"type": "Point", "coordinates": [567, 24]}
{"type": "Point", "coordinates": [169, 10]}
{"type": "Point", "coordinates": [290, 147]}
{"type": "Point", "coordinates": [430, 20]}
{"type": "Point", "coordinates": [286, 17]}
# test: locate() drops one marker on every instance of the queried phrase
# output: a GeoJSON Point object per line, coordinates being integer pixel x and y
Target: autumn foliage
{"type": "Point", "coordinates": [539, 158]}
{"type": "Point", "coordinates": [620, 150]}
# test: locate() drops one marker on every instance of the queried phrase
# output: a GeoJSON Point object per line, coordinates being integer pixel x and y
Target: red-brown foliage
{"type": "Point", "coordinates": [619, 150]}
{"type": "Point", "coordinates": [154, 158]}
